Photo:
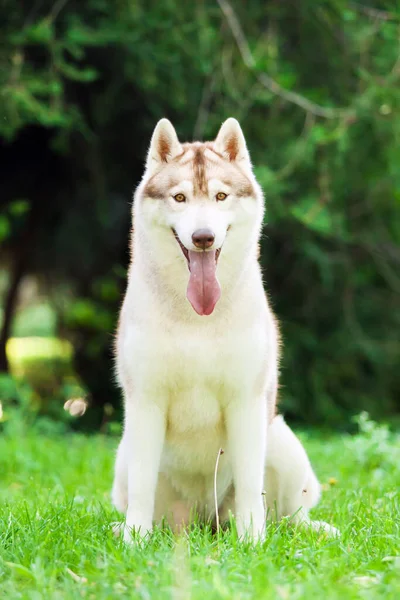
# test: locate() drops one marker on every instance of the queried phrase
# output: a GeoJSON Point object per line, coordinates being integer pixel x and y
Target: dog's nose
{"type": "Point", "coordinates": [203, 238]}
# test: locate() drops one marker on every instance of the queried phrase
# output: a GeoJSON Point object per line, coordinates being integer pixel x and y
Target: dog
{"type": "Point", "coordinates": [197, 349]}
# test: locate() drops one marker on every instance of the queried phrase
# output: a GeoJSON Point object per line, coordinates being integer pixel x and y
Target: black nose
{"type": "Point", "coordinates": [203, 238]}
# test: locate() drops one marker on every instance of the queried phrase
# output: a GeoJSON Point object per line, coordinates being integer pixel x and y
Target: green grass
{"type": "Point", "coordinates": [56, 539]}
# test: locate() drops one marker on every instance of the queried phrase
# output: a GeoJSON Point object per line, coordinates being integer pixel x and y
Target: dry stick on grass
{"type": "Point", "coordinates": [220, 451]}
{"type": "Point", "coordinates": [264, 495]}
{"type": "Point", "coordinates": [76, 577]}
{"type": "Point", "coordinates": [267, 81]}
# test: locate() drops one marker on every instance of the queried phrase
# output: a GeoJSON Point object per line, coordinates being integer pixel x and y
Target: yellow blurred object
{"type": "Point", "coordinates": [22, 349]}
{"type": "Point", "coordinates": [325, 487]}
{"type": "Point", "coordinates": [46, 365]}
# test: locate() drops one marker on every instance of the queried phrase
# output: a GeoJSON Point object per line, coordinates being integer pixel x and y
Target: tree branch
{"type": "Point", "coordinates": [267, 81]}
{"type": "Point", "coordinates": [374, 13]}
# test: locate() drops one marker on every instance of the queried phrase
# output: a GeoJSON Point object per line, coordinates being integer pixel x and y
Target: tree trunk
{"type": "Point", "coordinates": [17, 274]}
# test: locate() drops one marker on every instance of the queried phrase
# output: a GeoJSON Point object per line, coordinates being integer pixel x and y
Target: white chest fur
{"type": "Point", "coordinates": [192, 371]}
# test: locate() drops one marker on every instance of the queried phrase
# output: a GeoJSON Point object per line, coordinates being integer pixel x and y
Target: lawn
{"type": "Point", "coordinates": [57, 540]}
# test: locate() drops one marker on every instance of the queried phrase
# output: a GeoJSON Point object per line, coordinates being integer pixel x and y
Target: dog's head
{"type": "Point", "coordinates": [200, 207]}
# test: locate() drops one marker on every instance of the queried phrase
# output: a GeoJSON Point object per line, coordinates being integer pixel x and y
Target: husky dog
{"type": "Point", "coordinates": [197, 348]}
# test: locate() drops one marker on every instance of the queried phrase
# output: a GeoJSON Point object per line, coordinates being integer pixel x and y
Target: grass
{"type": "Point", "coordinates": [57, 542]}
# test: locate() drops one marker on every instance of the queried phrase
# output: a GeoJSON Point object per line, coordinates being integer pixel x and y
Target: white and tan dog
{"type": "Point", "coordinates": [197, 348]}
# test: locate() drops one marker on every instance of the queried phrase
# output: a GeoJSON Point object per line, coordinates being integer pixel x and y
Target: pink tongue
{"type": "Point", "coordinates": [203, 291]}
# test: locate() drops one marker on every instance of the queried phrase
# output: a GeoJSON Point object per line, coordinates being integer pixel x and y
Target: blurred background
{"type": "Point", "coordinates": [316, 87]}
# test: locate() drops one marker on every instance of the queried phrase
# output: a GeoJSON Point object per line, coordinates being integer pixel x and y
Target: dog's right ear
{"type": "Point", "coordinates": [164, 145]}
{"type": "Point", "coordinates": [231, 144]}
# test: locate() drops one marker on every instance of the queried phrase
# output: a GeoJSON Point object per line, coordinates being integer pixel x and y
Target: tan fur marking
{"type": "Point", "coordinates": [153, 191]}
{"type": "Point", "coordinates": [199, 170]}
{"type": "Point", "coordinates": [274, 399]}
{"type": "Point", "coordinates": [232, 147]}
{"type": "Point", "coordinates": [246, 190]}
{"type": "Point", "coordinates": [212, 157]}
{"type": "Point", "coordinates": [164, 148]}
{"type": "Point", "coordinates": [157, 185]}
{"type": "Point", "coordinates": [186, 157]}
{"type": "Point", "coordinates": [202, 159]}
{"type": "Point", "coordinates": [181, 155]}
{"type": "Point", "coordinates": [210, 146]}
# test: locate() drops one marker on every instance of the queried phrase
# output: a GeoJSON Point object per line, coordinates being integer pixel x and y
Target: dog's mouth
{"type": "Point", "coordinates": [203, 291]}
{"type": "Point", "coordinates": [186, 251]}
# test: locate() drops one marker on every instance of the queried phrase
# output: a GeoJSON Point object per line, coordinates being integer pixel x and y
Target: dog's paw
{"type": "Point", "coordinates": [117, 528]}
{"type": "Point", "coordinates": [251, 532]}
{"type": "Point", "coordinates": [322, 527]}
{"type": "Point", "coordinates": [129, 534]}
{"type": "Point", "coordinates": [119, 497]}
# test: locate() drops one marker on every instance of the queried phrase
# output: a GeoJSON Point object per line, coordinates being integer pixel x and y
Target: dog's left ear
{"type": "Point", "coordinates": [231, 144]}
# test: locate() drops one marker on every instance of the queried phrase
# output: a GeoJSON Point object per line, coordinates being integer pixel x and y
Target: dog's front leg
{"type": "Point", "coordinates": [247, 440]}
{"type": "Point", "coordinates": [145, 432]}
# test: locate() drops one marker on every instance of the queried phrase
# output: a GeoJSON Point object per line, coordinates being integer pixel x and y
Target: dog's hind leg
{"type": "Point", "coordinates": [291, 486]}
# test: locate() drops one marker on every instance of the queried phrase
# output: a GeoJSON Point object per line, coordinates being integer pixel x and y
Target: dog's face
{"type": "Point", "coordinates": [201, 199]}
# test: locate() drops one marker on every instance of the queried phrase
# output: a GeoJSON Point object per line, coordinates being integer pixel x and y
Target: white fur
{"type": "Point", "coordinates": [195, 384]}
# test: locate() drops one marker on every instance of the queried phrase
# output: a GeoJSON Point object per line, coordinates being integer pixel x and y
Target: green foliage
{"type": "Point", "coordinates": [17, 402]}
{"type": "Point", "coordinates": [42, 381]}
{"type": "Point", "coordinates": [35, 320]}
{"type": "Point", "coordinates": [376, 449]}
{"type": "Point", "coordinates": [88, 81]}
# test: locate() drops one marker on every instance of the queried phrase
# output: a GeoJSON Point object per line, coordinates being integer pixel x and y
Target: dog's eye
{"type": "Point", "coordinates": [180, 197]}
{"type": "Point", "coordinates": [221, 196]}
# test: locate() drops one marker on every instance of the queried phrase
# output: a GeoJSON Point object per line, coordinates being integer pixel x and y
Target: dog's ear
{"type": "Point", "coordinates": [164, 145]}
{"type": "Point", "coordinates": [231, 144]}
